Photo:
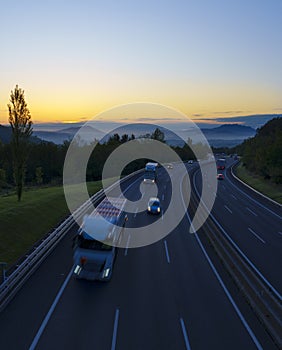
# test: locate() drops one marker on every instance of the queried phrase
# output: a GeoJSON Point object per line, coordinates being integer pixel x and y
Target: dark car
{"type": "Point", "coordinates": [220, 177]}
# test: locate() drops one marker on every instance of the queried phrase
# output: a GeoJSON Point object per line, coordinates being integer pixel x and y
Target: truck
{"type": "Point", "coordinates": [220, 164]}
{"type": "Point", "coordinates": [94, 246]}
{"type": "Point", "coordinates": [150, 175]}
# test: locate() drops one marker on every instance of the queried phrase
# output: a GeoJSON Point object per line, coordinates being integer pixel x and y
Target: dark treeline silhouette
{"type": "Point", "coordinates": [262, 154]}
{"type": "Point", "coordinates": [46, 160]}
{"type": "Point", "coordinates": [45, 155]}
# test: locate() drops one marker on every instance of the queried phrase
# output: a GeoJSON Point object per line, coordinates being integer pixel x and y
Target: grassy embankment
{"type": "Point", "coordinates": [23, 223]}
{"type": "Point", "coordinates": [266, 187]}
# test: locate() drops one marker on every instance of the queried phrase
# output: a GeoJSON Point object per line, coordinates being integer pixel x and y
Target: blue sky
{"type": "Point", "coordinates": [76, 58]}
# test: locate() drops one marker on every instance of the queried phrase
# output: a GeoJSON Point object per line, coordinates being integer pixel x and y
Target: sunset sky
{"type": "Point", "coordinates": [207, 58]}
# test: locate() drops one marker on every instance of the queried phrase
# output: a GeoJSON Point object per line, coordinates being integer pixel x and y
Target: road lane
{"type": "Point", "coordinates": [154, 300]}
{"type": "Point", "coordinates": [246, 217]}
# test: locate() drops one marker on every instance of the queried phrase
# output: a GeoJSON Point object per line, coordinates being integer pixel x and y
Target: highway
{"type": "Point", "coordinates": [252, 222]}
{"type": "Point", "coordinates": [173, 294]}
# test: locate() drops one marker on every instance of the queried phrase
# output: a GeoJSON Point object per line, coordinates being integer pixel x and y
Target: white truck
{"type": "Point", "coordinates": [150, 175]}
{"type": "Point", "coordinates": [96, 240]}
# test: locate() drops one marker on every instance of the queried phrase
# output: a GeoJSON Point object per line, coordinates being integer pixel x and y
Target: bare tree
{"type": "Point", "coordinates": [21, 124]}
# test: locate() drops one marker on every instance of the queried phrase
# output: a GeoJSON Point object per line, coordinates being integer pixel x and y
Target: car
{"type": "Point", "coordinates": [190, 161]}
{"type": "Point", "coordinates": [220, 177]}
{"type": "Point", "coordinates": [169, 166]}
{"type": "Point", "coordinates": [154, 206]}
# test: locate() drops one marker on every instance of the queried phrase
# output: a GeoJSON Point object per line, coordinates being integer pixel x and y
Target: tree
{"type": "Point", "coordinates": [39, 175]}
{"type": "Point", "coordinates": [21, 124]}
{"type": "Point", "coordinates": [158, 135]}
{"type": "Point", "coordinates": [2, 178]}
{"type": "Point", "coordinates": [124, 138]}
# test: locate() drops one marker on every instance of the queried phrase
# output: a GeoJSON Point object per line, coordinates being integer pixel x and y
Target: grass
{"type": "Point", "coordinates": [24, 223]}
{"type": "Point", "coordinates": [266, 187]}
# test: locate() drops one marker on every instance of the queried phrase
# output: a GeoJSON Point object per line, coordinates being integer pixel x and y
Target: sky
{"type": "Point", "coordinates": [205, 58]}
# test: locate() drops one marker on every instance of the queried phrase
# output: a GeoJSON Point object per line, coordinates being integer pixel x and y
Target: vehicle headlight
{"type": "Point", "coordinates": [159, 209]}
{"type": "Point", "coordinates": [153, 181]}
{"type": "Point", "coordinates": [149, 208]}
{"type": "Point", "coordinates": [77, 269]}
{"type": "Point", "coordinates": [106, 273]}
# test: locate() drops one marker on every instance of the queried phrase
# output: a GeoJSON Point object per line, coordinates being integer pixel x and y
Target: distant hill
{"type": "Point", "coordinates": [227, 131]}
{"type": "Point", "coordinates": [6, 133]}
{"type": "Point", "coordinates": [88, 133]}
{"type": "Point", "coordinates": [227, 135]}
{"type": "Point", "coordinates": [255, 121]}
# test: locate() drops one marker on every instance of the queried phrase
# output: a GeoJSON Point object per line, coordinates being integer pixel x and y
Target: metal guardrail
{"type": "Point", "coordinates": [19, 276]}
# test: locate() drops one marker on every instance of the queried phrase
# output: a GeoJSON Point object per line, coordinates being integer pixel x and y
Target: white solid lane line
{"type": "Point", "coordinates": [274, 290]}
{"type": "Point", "coordinates": [251, 198]}
{"type": "Point", "coordinates": [50, 312]}
{"type": "Point", "coordinates": [238, 312]}
{"type": "Point", "coordinates": [114, 339]}
{"type": "Point", "coordinates": [256, 235]}
{"type": "Point", "coordinates": [185, 335]}
{"type": "Point", "coordinates": [166, 251]}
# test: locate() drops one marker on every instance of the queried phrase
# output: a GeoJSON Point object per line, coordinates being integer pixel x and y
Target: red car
{"type": "Point", "coordinates": [220, 177]}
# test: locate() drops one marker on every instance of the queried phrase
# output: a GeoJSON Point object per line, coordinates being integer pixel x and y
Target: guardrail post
{"type": "Point", "coordinates": [3, 265]}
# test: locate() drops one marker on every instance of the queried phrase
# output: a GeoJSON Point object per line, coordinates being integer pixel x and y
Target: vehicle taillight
{"type": "Point", "coordinates": [83, 260]}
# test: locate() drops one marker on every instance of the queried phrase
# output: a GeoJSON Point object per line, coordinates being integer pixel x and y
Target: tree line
{"type": "Point", "coordinates": [36, 162]}
{"type": "Point", "coordinates": [45, 161]}
{"type": "Point", "coordinates": [262, 154]}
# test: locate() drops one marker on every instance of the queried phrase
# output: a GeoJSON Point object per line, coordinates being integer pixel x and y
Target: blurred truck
{"type": "Point", "coordinates": [220, 164]}
{"type": "Point", "coordinates": [95, 243]}
{"type": "Point", "coordinates": [150, 175]}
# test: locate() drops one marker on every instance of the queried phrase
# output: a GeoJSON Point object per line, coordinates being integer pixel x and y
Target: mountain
{"type": "Point", "coordinates": [230, 131]}
{"type": "Point", "coordinates": [227, 135]}
{"type": "Point", "coordinates": [5, 134]}
{"type": "Point", "coordinates": [87, 133]}
{"type": "Point", "coordinates": [255, 121]}
{"type": "Point", "coordinates": [53, 136]}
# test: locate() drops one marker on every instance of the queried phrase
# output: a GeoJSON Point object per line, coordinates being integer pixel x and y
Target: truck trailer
{"type": "Point", "coordinates": [95, 243]}
{"type": "Point", "coordinates": [221, 163]}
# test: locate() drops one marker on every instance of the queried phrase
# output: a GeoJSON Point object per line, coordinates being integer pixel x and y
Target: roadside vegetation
{"type": "Point", "coordinates": [261, 160]}
{"type": "Point", "coordinates": [261, 154]}
{"type": "Point", "coordinates": [24, 223]}
{"type": "Point", "coordinates": [270, 189]}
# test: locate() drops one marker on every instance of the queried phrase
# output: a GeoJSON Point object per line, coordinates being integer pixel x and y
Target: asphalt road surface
{"type": "Point", "coordinates": [168, 295]}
